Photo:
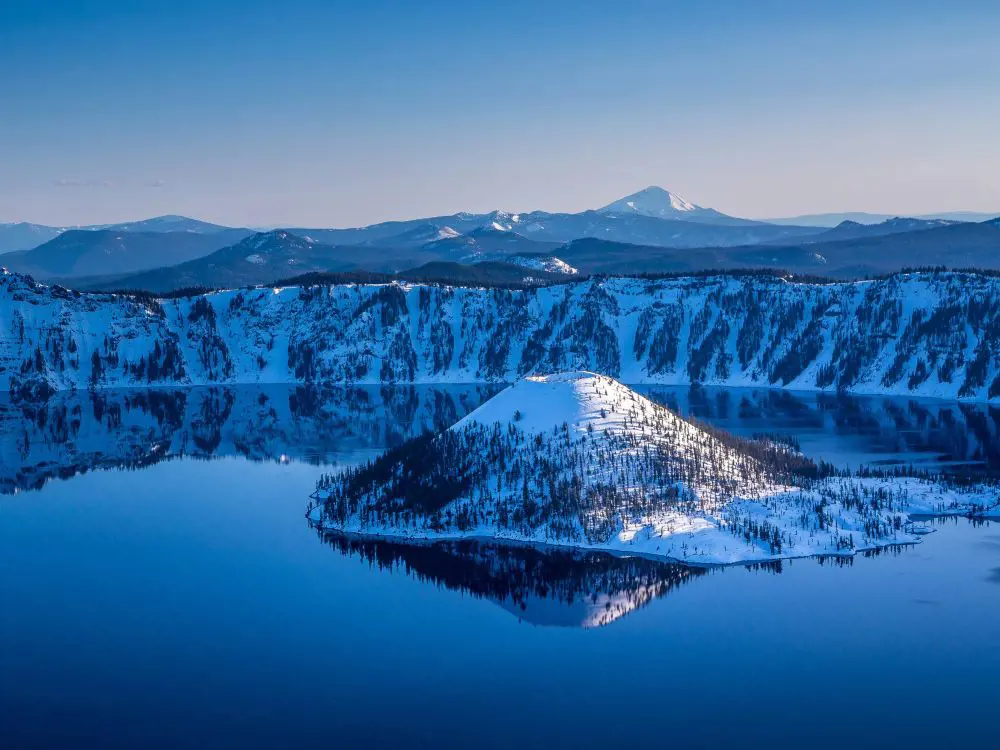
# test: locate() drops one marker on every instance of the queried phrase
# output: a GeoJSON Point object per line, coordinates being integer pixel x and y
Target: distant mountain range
{"type": "Point", "coordinates": [169, 223]}
{"type": "Point", "coordinates": [960, 245]}
{"type": "Point", "coordinates": [267, 257]}
{"type": "Point", "coordinates": [850, 230]}
{"type": "Point", "coordinates": [258, 259]}
{"type": "Point", "coordinates": [78, 253]}
{"type": "Point", "coordinates": [950, 245]}
{"type": "Point", "coordinates": [25, 236]}
{"type": "Point", "coordinates": [490, 256]}
{"type": "Point", "coordinates": [651, 231]}
{"type": "Point", "coordinates": [861, 217]}
{"type": "Point", "coordinates": [623, 226]}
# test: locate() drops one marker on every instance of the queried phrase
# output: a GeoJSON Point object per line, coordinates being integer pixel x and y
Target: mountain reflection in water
{"type": "Point", "coordinates": [74, 432]}
{"type": "Point", "coordinates": [852, 430]}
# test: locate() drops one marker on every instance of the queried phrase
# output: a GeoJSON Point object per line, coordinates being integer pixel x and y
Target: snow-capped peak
{"type": "Point", "coordinates": [654, 195]}
{"type": "Point", "coordinates": [581, 399]}
{"type": "Point", "coordinates": [659, 203]}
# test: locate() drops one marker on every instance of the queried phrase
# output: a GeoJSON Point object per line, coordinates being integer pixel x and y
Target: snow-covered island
{"type": "Point", "coordinates": [578, 459]}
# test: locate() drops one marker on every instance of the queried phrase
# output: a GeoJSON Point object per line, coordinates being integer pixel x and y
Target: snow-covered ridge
{"type": "Point", "coordinates": [549, 263]}
{"type": "Point", "coordinates": [583, 461]}
{"type": "Point", "coordinates": [927, 334]}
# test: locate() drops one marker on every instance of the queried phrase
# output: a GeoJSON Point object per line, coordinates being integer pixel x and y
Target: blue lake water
{"type": "Point", "coordinates": [160, 588]}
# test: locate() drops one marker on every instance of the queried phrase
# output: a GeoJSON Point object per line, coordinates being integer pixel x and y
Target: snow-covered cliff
{"type": "Point", "coordinates": [928, 334]}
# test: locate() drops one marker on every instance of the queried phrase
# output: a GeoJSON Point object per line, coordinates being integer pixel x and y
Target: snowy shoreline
{"type": "Point", "coordinates": [732, 553]}
{"type": "Point", "coordinates": [398, 537]}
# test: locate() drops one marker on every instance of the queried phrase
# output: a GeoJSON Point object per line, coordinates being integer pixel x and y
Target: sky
{"type": "Point", "coordinates": [329, 113]}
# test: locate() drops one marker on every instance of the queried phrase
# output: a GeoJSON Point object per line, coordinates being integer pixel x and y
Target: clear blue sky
{"type": "Point", "coordinates": [304, 112]}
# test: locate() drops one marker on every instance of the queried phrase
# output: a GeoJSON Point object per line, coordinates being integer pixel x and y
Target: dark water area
{"type": "Point", "coordinates": [160, 588]}
{"type": "Point", "coordinates": [851, 431]}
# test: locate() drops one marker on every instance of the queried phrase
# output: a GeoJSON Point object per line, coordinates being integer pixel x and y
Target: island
{"type": "Point", "coordinates": [579, 459]}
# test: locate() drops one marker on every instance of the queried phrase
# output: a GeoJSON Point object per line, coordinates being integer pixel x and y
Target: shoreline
{"type": "Point", "coordinates": [915, 537]}
{"type": "Point", "coordinates": [458, 382]}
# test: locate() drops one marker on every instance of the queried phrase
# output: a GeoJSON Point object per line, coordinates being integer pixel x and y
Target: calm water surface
{"type": "Point", "coordinates": [159, 588]}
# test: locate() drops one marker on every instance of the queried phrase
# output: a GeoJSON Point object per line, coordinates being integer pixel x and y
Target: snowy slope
{"type": "Point", "coordinates": [579, 459]}
{"type": "Point", "coordinates": [549, 263]}
{"type": "Point", "coordinates": [925, 334]}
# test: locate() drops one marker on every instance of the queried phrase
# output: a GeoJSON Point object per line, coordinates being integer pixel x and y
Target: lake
{"type": "Point", "coordinates": [160, 588]}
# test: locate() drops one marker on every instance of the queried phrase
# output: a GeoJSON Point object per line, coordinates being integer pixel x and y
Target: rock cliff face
{"type": "Point", "coordinates": [927, 334]}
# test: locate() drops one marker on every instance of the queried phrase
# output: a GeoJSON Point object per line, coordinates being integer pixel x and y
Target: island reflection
{"type": "Point", "coordinates": [553, 587]}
